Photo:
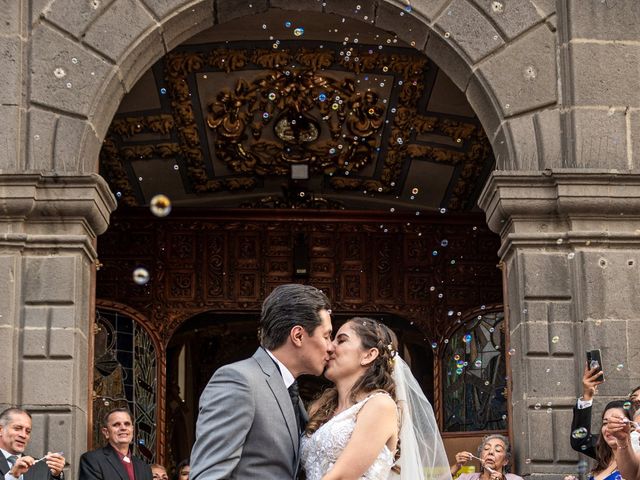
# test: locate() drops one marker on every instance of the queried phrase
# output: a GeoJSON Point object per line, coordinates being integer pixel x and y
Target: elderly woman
{"type": "Point", "coordinates": [494, 453]}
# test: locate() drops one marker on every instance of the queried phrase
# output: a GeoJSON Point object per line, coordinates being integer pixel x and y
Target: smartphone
{"type": "Point", "coordinates": [594, 360]}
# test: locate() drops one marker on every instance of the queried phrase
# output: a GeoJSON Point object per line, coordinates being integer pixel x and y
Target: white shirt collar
{"type": "Point", "coordinates": [287, 376]}
{"type": "Point", "coordinates": [7, 454]}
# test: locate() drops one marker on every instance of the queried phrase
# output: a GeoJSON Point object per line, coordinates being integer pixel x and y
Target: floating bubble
{"type": "Point", "coordinates": [446, 340]}
{"type": "Point", "coordinates": [298, 32]}
{"type": "Point", "coordinates": [537, 406]}
{"type": "Point", "coordinates": [467, 338]}
{"type": "Point", "coordinates": [335, 106]}
{"type": "Point", "coordinates": [163, 91]}
{"type": "Point", "coordinates": [559, 241]}
{"type": "Point", "coordinates": [580, 433]}
{"type": "Point", "coordinates": [414, 190]}
{"type": "Point", "coordinates": [332, 151]}
{"type": "Point", "coordinates": [527, 461]}
{"type": "Point", "coordinates": [141, 276]}
{"type": "Point", "coordinates": [392, 209]}
{"type": "Point", "coordinates": [287, 24]}
{"type": "Point", "coordinates": [450, 313]}
{"type": "Point", "coordinates": [512, 351]}
{"type": "Point", "coordinates": [478, 363]}
{"type": "Point", "coordinates": [434, 345]}
{"type": "Point", "coordinates": [443, 210]}
{"type": "Point", "coordinates": [447, 34]}
{"type": "Point", "coordinates": [571, 255]}
{"type": "Point", "coordinates": [619, 367]}
{"type": "Point", "coordinates": [459, 371]}
{"type": "Point", "coordinates": [322, 97]}
{"type": "Point", "coordinates": [598, 322]}
{"type": "Point", "coordinates": [486, 383]}
{"type": "Point", "coordinates": [59, 73]}
{"type": "Point", "coordinates": [504, 417]}
{"type": "Point", "coordinates": [444, 243]}
{"type": "Point", "coordinates": [456, 357]}
{"type": "Point", "coordinates": [272, 96]}
{"type": "Point", "coordinates": [434, 253]}
{"type": "Point", "coordinates": [160, 205]}
{"type": "Point", "coordinates": [626, 405]}
{"type": "Point", "coordinates": [555, 339]}
{"type": "Point", "coordinates": [497, 7]}
{"type": "Point", "coordinates": [265, 115]}
{"type": "Point", "coordinates": [74, 60]}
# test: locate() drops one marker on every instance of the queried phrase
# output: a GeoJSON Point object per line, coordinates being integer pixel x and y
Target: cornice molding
{"type": "Point", "coordinates": [550, 206]}
{"type": "Point", "coordinates": [38, 204]}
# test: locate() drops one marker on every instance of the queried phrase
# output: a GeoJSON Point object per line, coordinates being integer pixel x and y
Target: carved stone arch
{"type": "Point", "coordinates": [86, 88]}
{"type": "Point", "coordinates": [161, 369]}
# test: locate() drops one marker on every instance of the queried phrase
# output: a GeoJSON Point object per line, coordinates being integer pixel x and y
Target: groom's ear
{"type": "Point", "coordinates": [296, 335]}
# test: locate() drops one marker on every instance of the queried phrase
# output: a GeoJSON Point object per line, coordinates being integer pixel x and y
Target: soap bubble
{"type": "Point", "coordinates": [298, 32]}
{"type": "Point", "coordinates": [537, 406]}
{"type": "Point", "coordinates": [444, 243]}
{"type": "Point", "coordinates": [467, 338]}
{"type": "Point", "coordinates": [580, 433]}
{"type": "Point", "coordinates": [160, 205]}
{"type": "Point", "coordinates": [619, 367]}
{"type": "Point", "coordinates": [555, 339]}
{"type": "Point", "coordinates": [141, 276]}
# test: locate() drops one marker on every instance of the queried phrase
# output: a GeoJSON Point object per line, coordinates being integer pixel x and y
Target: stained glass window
{"type": "Point", "coordinates": [125, 376]}
{"type": "Point", "coordinates": [474, 376]}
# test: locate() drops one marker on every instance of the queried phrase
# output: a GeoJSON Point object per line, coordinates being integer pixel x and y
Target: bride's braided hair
{"type": "Point", "coordinates": [378, 377]}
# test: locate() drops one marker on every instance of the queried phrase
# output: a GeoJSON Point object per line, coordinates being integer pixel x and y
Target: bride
{"type": "Point", "coordinates": [374, 423]}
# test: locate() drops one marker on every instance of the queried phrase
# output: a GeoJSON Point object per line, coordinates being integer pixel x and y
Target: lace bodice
{"type": "Point", "coordinates": [320, 451]}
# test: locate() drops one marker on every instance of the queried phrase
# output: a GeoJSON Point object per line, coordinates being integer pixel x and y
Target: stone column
{"type": "Point", "coordinates": [48, 229]}
{"type": "Point", "coordinates": [571, 253]}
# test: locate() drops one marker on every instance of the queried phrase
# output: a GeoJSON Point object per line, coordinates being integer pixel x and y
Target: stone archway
{"type": "Point", "coordinates": [544, 92]}
{"type": "Point", "coordinates": [78, 77]}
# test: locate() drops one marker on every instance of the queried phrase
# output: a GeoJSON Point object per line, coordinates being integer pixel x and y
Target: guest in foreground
{"type": "Point", "coordinates": [628, 462]}
{"type": "Point", "coordinates": [114, 460]}
{"type": "Point", "coordinates": [495, 459]}
{"type": "Point", "coordinates": [15, 433]}
{"type": "Point", "coordinates": [611, 451]}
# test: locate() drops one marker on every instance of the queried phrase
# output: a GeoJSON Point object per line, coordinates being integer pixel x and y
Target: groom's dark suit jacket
{"type": "Point", "coordinates": [246, 424]}
{"type": "Point", "coordinates": [104, 464]}
{"type": "Point", "coordinates": [38, 472]}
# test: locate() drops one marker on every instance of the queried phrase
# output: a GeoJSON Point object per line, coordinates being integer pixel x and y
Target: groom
{"type": "Point", "coordinates": [251, 417]}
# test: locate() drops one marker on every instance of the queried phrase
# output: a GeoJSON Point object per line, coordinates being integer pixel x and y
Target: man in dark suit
{"type": "Point", "coordinates": [15, 433]}
{"type": "Point", "coordinates": [114, 461]}
{"type": "Point", "coordinates": [251, 416]}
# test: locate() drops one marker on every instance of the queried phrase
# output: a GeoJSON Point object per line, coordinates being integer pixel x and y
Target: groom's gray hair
{"type": "Point", "coordinates": [287, 306]}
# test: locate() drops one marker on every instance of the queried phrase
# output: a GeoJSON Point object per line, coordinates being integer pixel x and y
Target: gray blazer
{"type": "Point", "coordinates": [246, 425]}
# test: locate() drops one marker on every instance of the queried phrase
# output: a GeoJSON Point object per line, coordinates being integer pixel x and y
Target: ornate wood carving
{"type": "Point", "coordinates": [318, 113]}
{"type": "Point", "coordinates": [231, 262]}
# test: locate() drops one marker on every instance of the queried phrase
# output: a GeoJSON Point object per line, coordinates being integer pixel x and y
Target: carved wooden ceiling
{"type": "Point", "coordinates": [291, 111]}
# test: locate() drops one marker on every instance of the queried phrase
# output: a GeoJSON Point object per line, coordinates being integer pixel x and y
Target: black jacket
{"type": "Point", "coordinates": [39, 471]}
{"type": "Point", "coordinates": [585, 444]}
{"type": "Point", "coordinates": [104, 464]}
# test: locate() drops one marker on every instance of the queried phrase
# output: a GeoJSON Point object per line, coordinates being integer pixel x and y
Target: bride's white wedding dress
{"type": "Point", "coordinates": [321, 450]}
